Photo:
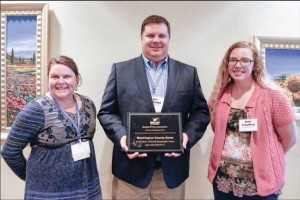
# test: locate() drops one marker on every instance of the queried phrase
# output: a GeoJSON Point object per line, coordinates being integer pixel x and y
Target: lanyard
{"type": "Point", "coordinates": [66, 115]}
{"type": "Point", "coordinates": [154, 85]}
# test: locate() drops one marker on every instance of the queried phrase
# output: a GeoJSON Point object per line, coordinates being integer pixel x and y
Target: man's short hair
{"type": "Point", "coordinates": [155, 19]}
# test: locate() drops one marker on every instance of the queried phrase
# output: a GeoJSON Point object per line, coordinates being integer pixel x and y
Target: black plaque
{"type": "Point", "coordinates": [154, 132]}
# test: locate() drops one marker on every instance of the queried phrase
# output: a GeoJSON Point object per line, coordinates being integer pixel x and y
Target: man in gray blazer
{"type": "Point", "coordinates": [152, 83]}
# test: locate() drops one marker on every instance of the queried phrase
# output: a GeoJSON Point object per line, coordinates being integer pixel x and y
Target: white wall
{"type": "Point", "coordinates": [97, 34]}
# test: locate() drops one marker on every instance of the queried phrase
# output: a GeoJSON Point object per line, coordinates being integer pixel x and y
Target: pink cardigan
{"type": "Point", "coordinates": [271, 109]}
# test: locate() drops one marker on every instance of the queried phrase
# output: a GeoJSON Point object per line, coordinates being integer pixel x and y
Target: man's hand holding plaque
{"type": "Point", "coordinates": [124, 147]}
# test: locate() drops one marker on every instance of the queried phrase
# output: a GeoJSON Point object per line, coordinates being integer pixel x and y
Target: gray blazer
{"type": "Point", "coordinates": [127, 90]}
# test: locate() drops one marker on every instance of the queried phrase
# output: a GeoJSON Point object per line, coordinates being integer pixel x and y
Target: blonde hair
{"type": "Point", "coordinates": [223, 78]}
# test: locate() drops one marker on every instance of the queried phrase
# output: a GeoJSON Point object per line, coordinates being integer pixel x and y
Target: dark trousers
{"type": "Point", "coordinates": [219, 195]}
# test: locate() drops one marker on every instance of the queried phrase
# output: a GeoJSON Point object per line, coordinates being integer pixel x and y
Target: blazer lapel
{"type": "Point", "coordinates": [142, 82]}
{"type": "Point", "coordinates": [171, 84]}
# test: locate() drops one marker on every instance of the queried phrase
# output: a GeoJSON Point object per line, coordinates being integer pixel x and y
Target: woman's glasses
{"type": "Point", "coordinates": [244, 62]}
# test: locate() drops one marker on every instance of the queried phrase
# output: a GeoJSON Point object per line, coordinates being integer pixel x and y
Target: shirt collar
{"type": "Point", "coordinates": [146, 60]}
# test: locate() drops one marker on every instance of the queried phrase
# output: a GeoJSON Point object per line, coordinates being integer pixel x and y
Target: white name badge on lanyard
{"type": "Point", "coordinates": [158, 103]}
{"type": "Point", "coordinates": [247, 125]}
{"type": "Point", "coordinates": [81, 150]}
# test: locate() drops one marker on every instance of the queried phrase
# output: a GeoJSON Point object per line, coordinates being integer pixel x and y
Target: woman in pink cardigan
{"type": "Point", "coordinates": [254, 126]}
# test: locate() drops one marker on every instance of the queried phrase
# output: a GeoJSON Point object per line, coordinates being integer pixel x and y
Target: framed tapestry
{"type": "Point", "coordinates": [24, 57]}
{"type": "Point", "coordinates": [281, 57]}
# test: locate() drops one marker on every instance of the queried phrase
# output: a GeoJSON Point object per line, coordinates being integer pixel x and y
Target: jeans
{"type": "Point", "coordinates": [219, 195]}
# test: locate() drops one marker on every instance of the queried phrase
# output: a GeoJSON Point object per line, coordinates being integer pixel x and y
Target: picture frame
{"type": "Point", "coordinates": [281, 57]}
{"type": "Point", "coordinates": [24, 58]}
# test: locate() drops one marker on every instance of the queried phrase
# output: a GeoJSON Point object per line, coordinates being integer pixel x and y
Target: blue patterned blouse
{"type": "Point", "coordinates": [50, 171]}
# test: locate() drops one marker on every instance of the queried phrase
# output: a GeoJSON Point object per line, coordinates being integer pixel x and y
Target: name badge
{"type": "Point", "coordinates": [81, 150]}
{"type": "Point", "coordinates": [247, 125]}
{"type": "Point", "coordinates": [158, 103]}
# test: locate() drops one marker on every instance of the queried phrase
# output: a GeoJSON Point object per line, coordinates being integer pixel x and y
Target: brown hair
{"type": "Point", "coordinates": [223, 79]}
{"type": "Point", "coordinates": [67, 61]}
{"type": "Point", "coordinates": [155, 19]}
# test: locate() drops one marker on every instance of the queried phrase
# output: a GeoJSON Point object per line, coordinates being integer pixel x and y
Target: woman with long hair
{"type": "Point", "coordinates": [251, 134]}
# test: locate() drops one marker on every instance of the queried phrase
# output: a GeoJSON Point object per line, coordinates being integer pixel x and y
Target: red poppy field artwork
{"type": "Point", "coordinates": [24, 55]}
{"type": "Point", "coordinates": [20, 64]}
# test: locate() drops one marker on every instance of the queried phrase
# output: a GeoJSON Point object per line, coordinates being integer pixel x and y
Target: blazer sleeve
{"type": "Point", "coordinates": [109, 113]}
{"type": "Point", "coordinates": [198, 117]}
